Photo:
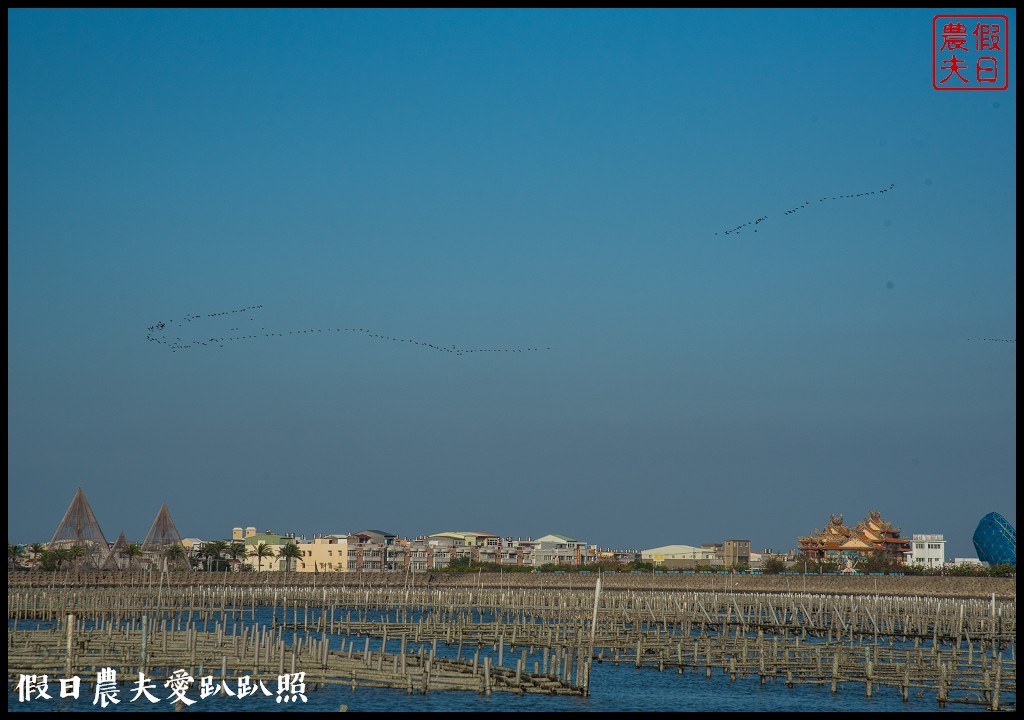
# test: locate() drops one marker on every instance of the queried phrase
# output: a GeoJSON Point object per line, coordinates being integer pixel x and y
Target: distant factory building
{"type": "Point", "coordinates": [679, 556]}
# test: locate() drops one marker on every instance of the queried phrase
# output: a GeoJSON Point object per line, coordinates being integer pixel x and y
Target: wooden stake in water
{"type": "Point", "coordinates": [71, 630]}
{"type": "Point", "coordinates": [142, 653]}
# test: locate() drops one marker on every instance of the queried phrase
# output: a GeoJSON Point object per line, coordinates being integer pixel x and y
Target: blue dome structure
{"type": "Point", "coordinates": [996, 540]}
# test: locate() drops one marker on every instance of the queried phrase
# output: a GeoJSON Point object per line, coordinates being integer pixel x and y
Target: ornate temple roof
{"type": "Point", "coordinates": [872, 533]}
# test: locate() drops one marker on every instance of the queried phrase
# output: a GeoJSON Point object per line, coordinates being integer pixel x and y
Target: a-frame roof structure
{"type": "Point", "coordinates": [115, 558]}
{"type": "Point", "coordinates": [162, 534]}
{"type": "Point", "coordinates": [79, 528]}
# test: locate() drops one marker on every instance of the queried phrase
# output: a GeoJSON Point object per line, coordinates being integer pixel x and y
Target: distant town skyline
{"type": "Point", "coordinates": [164, 517]}
{"type": "Point", "coordinates": [776, 273]}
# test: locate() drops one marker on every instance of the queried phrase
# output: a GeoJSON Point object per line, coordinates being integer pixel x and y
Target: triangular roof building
{"type": "Point", "coordinates": [79, 528]}
{"type": "Point", "coordinates": [162, 535]}
{"type": "Point", "coordinates": [116, 559]}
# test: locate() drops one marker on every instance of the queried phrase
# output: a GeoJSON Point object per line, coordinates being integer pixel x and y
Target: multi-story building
{"type": "Point", "coordinates": [517, 551]}
{"type": "Point", "coordinates": [274, 542]}
{"type": "Point", "coordinates": [377, 537]}
{"type": "Point", "coordinates": [736, 552]}
{"type": "Point", "coordinates": [440, 549]}
{"type": "Point", "coordinates": [560, 550]}
{"type": "Point", "coordinates": [327, 553]}
{"type": "Point", "coordinates": [412, 555]}
{"type": "Point", "coordinates": [464, 539]}
{"type": "Point", "coordinates": [927, 551]}
{"type": "Point", "coordinates": [373, 551]}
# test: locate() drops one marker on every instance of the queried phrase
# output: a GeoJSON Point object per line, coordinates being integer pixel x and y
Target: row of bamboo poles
{"type": "Point", "coordinates": [942, 619]}
{"type": "Point", "coordinates": [931, 586]}
{"type": "Point", "coordinates": [424, 639]}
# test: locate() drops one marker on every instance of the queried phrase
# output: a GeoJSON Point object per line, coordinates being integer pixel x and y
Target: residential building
{"type": "Point", "coordinates": [736, 552]}
{"type": "Point", "coordinates": [560, 550]}
{"type": "Point", "coordinates": [440, 549]}
{"type": "Point", "coordinates": [927, 551]}
{"type": "Point", "coordinates": [464, 539]}
{"type": "Point", "coordinates": [365, 557]}
{"type": "Point", "coordinates": [372, 551]}
{"type": "Point", "coordinates": [413, 555]}
{"type": "Point", "coordinates": [272, 540]}
{"type": "Point", "coordinates": [327, 553]}
{"type": "Point", "coordinates": [518, 552]}
{"type": "Point", "coordinates": [377, 537]}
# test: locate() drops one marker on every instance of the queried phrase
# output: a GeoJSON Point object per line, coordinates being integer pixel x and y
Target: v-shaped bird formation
{"type": "Point", "coordinates": [175, 335]}
{"type": "Point", "coordinates": [753, 224]}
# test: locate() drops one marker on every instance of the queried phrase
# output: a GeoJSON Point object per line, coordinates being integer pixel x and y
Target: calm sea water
{"type": "Point", "coordinates": [613, 688]}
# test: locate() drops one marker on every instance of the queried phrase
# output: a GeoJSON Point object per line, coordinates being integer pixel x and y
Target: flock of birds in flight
{"type": "Point", "coordinates": [159, 333]}
{"type": "Point", "coordinates": [792, 211]}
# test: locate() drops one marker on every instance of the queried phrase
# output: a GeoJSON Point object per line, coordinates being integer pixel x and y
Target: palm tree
{"type": "Point", "coordinates": [174, 554]}
{"type": "Point", "coordinates": [75, 553]}
{"type": "Point", "coordinates": [236, 550]}
{"type": "Point", "coordinates": [15, 554]}
{"type": "Point", "coordinates": [213, 550]}
{"type": "Point", "coordinates": [51, 560]}
{"type": "Point", "coordinates": [289, 552]}
{"type": "Point", "coordinates": [130, 552]}
{"type": "Point", "coordinates": [37, 549]}
{"type": "Point", "coordinates": [259, 552]}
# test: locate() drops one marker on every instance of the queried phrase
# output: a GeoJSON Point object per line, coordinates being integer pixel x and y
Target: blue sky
{"type": "Point", "coordinates": [508, 180]}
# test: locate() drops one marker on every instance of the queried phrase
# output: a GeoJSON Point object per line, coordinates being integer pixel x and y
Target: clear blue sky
{"type": "Point", "coordinates": [508, 179]}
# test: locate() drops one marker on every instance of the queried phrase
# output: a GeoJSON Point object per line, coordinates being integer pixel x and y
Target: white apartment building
{"type": "Point", "coordinates": [927, 551]}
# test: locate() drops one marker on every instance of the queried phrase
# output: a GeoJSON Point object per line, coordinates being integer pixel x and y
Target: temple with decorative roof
{"type": "Point", "coordinates": [838, 542]}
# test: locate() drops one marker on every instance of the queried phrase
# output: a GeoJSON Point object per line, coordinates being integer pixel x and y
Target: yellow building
{"type": "Point", "coordinates": [324, 554]}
